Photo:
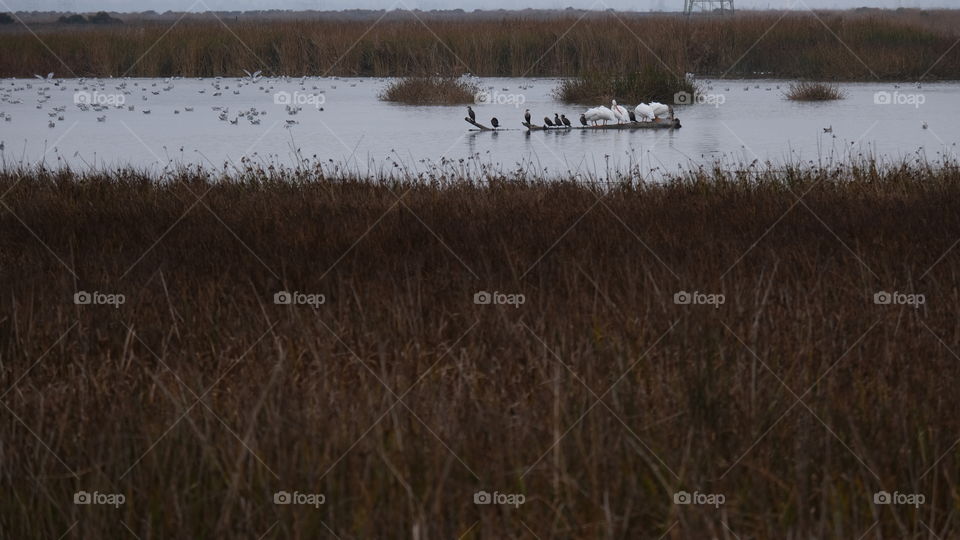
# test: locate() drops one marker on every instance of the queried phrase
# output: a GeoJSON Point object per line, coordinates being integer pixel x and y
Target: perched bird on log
{"type": "Point", "coordinates": [546, 120]}
{"type": "Point", "coordinates": [494, 122]}
{"type": "Point", "coordinates": [526, 115]}
{"type": "Point", "coordinates": [556, 120]}
{"type": "Point", "coordinates": [633, 117]}
{"type": "Point", "coordinates": [563, 118]}
{"type": "Point", "coordinates": [471, 114]}
{"type": "Point", "coordinates": [583, 119]}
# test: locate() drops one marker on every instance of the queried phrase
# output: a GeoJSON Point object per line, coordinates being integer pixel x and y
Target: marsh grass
{"type": "Point", "coordinates": [653, 83]}
{"type": "Point", "coordinates": [199, 397]}
{"type": "Point", "coordinates": [431, 91]}
{"type": "Point", "coordinates": [892, 45]}
{"type": "Point", "coordinates": [814, 91]}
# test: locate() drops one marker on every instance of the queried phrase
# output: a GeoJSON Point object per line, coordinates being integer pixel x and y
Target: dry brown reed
{"type": "Point", "coordinates": [825, 46]}
{"type": "Point", "coordinates": [399, 397]}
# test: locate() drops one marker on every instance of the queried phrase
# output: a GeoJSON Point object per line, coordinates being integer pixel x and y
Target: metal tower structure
{"type": "Point", "coordinates": [708, 6]}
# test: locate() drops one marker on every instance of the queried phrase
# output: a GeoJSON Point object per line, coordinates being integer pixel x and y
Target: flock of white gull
{"type": "Point", "coordinates": [98, 97]}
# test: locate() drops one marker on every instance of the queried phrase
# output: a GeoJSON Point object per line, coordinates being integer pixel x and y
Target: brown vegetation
{"type": "Point", "coordinates": [431, 91]}
{"type": "Point", "coordinates": [399, 397]}
{"type": "Point", "coordinates": [814, 91]}
{"type": "Point", "coordinates": [642, 86]}
{"type": "Point", "coordinates": [885, 45]}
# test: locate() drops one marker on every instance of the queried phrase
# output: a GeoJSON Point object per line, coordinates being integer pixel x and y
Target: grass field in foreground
{"type": "Point", "coordinates": [398, 398]}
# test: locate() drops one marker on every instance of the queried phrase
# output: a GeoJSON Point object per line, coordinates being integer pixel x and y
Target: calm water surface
{"type": "Point", "coordinates": [744, 121]}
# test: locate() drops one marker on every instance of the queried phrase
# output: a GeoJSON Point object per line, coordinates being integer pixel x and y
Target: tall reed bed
{"type": "Point", "coordinates": [885, 45]}
{"type": "Point", "coordinates": [431, 91]}
{"type": "Point", "coordinates": [399, 398]}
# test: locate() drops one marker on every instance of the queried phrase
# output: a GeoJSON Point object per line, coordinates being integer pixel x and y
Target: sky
{"type": "Point", "coordinates": [634, 5]}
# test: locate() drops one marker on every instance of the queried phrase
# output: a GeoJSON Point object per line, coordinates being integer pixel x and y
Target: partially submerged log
{"type": "Point", "coordinates": [479, 125]}
{"type": "Point", "coordinates": [666, 124]}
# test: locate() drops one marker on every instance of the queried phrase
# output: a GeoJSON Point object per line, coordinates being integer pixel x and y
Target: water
{"type": "Point", "coordinates": [743, 121]}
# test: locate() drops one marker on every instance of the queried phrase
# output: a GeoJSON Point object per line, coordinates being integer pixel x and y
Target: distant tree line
{"type": "Point", "coordinates": [101, 17]}
{"type": "Point", "coordinates": [6, 18]}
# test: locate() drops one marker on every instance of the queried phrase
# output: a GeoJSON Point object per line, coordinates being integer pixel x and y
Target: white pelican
{"type": "Point", "coordinates": [606, 114]}
{"type": "Point", "coordinates": [659, 109]}
{"type": "Point", "coordinates": [619, 112]}
{"type": "Point", "coordinates": [592, 115]}
{"type": "Point", "coordinates": [644, 112]}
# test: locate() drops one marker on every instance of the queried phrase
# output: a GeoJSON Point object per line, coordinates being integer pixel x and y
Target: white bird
{"type": "Point", "coordinates": [644, 112]}
{"type": "Point", "coordinates": [592, 115]}
{"type": "Point", "coordinates": [605, 114]}
{"type": "Point", "coordinates": [619, 112]}
{"type": "Point", "coordinates": [828, 129]}
{"type": "Point", "coordinates": [660, 110]}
